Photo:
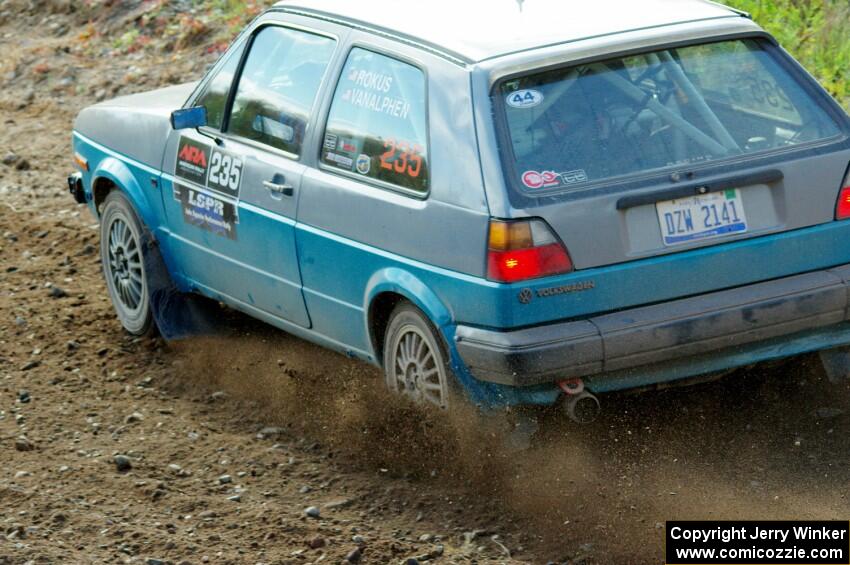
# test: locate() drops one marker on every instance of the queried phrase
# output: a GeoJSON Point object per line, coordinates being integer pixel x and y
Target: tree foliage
{"type": "Point", "coordinates": [816, 33]}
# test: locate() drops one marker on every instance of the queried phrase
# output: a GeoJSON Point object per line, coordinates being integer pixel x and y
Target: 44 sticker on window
{"type": "Point", "coordinates": [525, 98]}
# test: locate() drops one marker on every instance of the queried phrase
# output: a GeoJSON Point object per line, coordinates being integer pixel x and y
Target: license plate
{"type": "Point", "coordinates": [702, 217]}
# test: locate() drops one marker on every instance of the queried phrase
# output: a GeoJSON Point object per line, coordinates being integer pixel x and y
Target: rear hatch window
{"type": "Point", "coordinates": [573, 128]}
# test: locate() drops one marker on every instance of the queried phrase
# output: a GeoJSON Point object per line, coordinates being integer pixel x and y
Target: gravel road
{"type": "Point", "coordinates": [255, 447]}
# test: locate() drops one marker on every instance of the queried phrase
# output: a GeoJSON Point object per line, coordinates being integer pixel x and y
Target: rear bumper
{"type": "Point", "coordinates": [661, 333]}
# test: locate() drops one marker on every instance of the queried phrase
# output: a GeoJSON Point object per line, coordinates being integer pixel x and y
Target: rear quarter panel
{"type": "Point", "coordinates": [354, 237]}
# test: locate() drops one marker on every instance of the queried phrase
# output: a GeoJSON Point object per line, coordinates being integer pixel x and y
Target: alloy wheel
{"type": "Point", "coordinates": [416, 370]}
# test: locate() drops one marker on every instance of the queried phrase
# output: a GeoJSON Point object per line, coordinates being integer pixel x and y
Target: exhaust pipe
{"type": "Point", "coordinates": [581, 406]}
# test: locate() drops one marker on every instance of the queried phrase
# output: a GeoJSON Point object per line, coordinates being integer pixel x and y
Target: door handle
{"type": "Point", "coordinates": [279, 186]}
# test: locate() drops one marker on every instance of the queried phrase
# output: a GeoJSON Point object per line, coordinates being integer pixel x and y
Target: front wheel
{"type": "Point", "coordinates": [122, 237]}
{"type": "Point", "coordinates": [415, 361]}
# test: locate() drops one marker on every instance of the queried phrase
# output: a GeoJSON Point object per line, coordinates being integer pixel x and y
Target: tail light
{"type": "Point", "coordinates": [523, 250]}
{"type": "Point", "coordinates": [842, 210]}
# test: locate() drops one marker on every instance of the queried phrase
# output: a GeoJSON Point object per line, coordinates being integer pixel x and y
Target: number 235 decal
{"type": "Point", "coordinates": [402, 158]}
{"type": "Point", "coordinates": [208, 167]}
{"type": "Point", "coordinates": [225, 173]}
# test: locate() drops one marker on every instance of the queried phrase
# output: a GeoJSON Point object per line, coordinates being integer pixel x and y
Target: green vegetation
{"type": "Point", "coordinates": [816, 32]}
{"type": "Point", "coordinates": [165, 26]}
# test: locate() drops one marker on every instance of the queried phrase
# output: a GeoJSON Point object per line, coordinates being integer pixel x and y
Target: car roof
{"type": "Point", "coordinates": [475, 30]}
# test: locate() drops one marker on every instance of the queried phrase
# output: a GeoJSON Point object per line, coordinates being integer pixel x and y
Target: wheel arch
{"type": "Point", "coordinates": [385, 290]}
{"type": "Point", "coordinates": [101, 187]}
{"type": "Point", "coordinates": [112, 174]}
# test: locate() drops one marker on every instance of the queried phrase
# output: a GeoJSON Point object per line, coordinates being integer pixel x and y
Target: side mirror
{"type": "Point", "coordinates": [189, 118]}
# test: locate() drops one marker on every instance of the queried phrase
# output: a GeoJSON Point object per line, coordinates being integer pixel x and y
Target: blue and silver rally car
{"type": "Point", "coordinates": [543, 205]}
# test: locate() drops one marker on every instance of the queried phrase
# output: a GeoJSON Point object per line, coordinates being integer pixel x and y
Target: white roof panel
{"type": "Point", "coordinates": [481, 29]}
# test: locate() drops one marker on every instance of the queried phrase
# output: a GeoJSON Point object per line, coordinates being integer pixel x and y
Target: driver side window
{"type": "Point", "coordinates": [214, 98]}
{"type": "Point", "coordinates": [278, 85]}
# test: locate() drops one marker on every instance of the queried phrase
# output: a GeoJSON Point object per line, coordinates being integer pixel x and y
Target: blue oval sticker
{"type": "Point", "coordinates": [525, 98]}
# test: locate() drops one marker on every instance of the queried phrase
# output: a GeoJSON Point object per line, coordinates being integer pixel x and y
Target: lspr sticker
{"type": "Point", "coordinates": [208, 212]}
{"type": "Point", "coordinates": [525, 98]}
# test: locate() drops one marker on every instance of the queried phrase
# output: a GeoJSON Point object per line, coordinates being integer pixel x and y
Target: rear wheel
{"type": "Point", "coordinates": [122, 237]}
{"type": "Point", "coordinates": [415, 361]}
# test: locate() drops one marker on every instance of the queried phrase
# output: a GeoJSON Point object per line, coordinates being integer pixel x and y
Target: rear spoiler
{"type": "Point", "coordinates": [741, 13]}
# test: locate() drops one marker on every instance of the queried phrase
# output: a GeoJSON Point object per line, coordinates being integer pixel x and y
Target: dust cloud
{"type": "Point", "coordinates": [733, 449]}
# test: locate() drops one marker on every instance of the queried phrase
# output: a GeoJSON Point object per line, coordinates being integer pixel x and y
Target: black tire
{"type": "Point", "coordinates": [415, 360]}
{"type": "Point", "coordinates": [122, 241]}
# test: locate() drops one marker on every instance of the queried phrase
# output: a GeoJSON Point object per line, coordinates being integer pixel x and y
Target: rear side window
{"type": "Point", "coordinates": [278, 85]}
{"type": "Point", "coordinates": [676, 108]}
{"type": "Point", "coordinates": [214, 98]}
{"type": "Point", "coordinates": [377, 126]}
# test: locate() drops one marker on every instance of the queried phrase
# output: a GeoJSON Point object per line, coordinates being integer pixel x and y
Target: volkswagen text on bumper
{"type": "Point", "coordinates": [643, 337]}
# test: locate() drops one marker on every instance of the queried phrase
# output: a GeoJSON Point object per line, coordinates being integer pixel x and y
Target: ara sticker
{"type": "Point", "coordinates": [364, 164]}
{"type": "Point", "coordinates": [550, 179]}
{"type": "Point", "coordinates": [192, 160]}
{"type": "Point", "coordinates": [525, 98]}
{"type": "Point", "coordinates": [209, 213]}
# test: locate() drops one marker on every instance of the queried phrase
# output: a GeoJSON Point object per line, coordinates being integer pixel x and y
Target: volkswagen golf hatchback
{"type": "Point", "coordinates": [526, 201]}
